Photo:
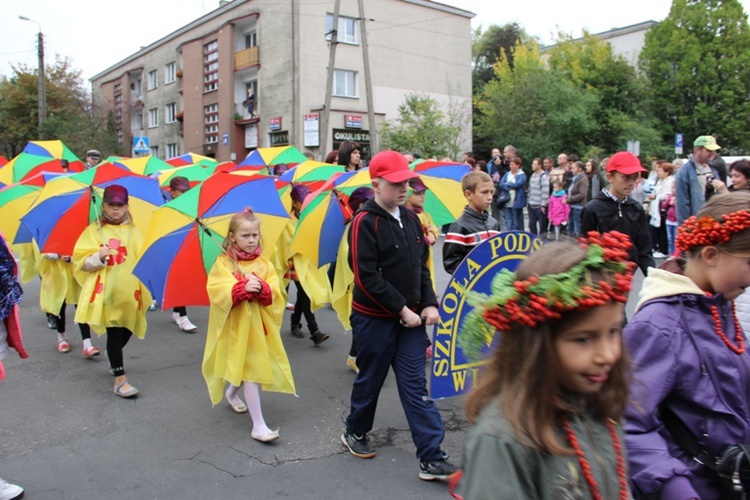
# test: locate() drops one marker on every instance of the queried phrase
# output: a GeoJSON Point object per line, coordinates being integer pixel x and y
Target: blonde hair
{"type": "Point", "coordinates": [245, 216]}
{"type": "Point", "coordinates": [471, 180]}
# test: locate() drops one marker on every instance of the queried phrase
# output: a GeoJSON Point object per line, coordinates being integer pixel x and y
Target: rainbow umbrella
{"type": "Point", "coordinates": [322, 221]}
{"type": "Point", "coordinates": [143, 165]}
{"type": "Point", "coordinates": [15, 201]}
{"type": "Point", "coordinates": [67, 204]}
{"type": "Point", "coordinates": [3, 160]}
{"type": "Point", "coordinates": [191, 159]}
{"type": "Point", "coordinates": [195, 174]}
{"type": "Point", "coordinates": [444, 199]}
{"type": "Point", "coordinates": [311, 173]}
{"type": "Point", "coordinates": [36, 157]}
{"type": "Point", "coordinates": [185, 235]}
{"type": "Point", "coordinates": [266, 157]}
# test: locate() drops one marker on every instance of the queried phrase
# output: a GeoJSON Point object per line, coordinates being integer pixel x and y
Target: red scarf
{"type": "Point", "coordinates": [239, 254]}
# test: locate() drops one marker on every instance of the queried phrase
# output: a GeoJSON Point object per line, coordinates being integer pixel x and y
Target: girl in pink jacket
{"type": "Point", "coordinates": [558, 210]}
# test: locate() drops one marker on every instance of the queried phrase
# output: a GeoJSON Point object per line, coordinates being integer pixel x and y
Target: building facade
{"type": "Point", "coordinates": [185, 92]}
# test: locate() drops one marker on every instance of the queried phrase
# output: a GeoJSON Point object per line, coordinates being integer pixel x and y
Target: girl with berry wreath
{"type": "Point", "coordinates": [548, 404]}
{"type": "Point", "coordinates": [689, 356]}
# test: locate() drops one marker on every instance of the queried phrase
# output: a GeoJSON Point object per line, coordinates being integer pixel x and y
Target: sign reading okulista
{"type": "Point", "coordinates": [451, 373]}
{"type": "Point", "coordinates": [340, 134]}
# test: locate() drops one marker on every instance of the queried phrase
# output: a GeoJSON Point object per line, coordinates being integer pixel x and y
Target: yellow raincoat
{"type": "Point", "coordinates": [58, 285]}
{"type": "Point", "coordinates": [429, 228]}
{"type": "Point", "coordinates": [28, 261]}
{"type": "Point", "coordinates": [243, 342]}
{"type": "Point", "coordinates": [341, 296]}
{"type": "Point", "coordinates": [314, 280]}
{"type": "Point", "coordinates": [111, 295]}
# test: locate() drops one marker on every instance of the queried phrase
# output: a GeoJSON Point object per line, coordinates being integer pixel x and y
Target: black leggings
{"type": "Point", "coordinates": [117, 338]}
{"type": "Point", "coordinates": [302, 306]}
{"type": "Point", "coordinates": [85, 329]}
{"type": "Point", "coordinates": [182, 310]}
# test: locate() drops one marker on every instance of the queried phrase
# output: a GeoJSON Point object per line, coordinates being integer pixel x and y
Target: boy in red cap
{"type": "Point", "coordinates": [612, 209]}
{"type": "Point", "coordinates": [392, 302]}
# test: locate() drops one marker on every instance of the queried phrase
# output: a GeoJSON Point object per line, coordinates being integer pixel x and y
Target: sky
{"type": "Point", "coordinates": [94, 35]}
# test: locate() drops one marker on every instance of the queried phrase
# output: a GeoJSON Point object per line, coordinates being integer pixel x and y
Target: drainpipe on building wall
{"type": "Point", "coordinates": [374, 145]}
{"type": "Point", "coordinates": [326, 118]}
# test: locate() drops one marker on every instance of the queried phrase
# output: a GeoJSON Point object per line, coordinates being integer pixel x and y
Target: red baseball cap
{"type": "Point", "coordinates": [391, 166]}
{"type": "Point", "coordinates": [626, 163]}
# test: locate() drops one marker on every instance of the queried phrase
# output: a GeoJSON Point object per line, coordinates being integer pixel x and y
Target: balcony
{"type": "Point", "coordinates": [244, 59]}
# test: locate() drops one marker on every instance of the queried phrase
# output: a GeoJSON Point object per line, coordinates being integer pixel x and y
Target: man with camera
{"type": "Point", "coordinates": [497, 167]}
{"type": "Point", "coordinates": [694, 180]}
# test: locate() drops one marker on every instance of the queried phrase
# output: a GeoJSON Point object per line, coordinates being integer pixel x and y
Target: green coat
{"type": "Point", "coordinates": [497, 466]}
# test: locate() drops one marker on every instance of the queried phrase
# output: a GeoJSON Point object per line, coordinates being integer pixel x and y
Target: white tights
{"type": "Point", "coordinates": [252, 400]}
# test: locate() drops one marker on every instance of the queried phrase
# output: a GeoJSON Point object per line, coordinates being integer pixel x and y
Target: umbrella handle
{"type": "Point", "coordinates": [98, 215]}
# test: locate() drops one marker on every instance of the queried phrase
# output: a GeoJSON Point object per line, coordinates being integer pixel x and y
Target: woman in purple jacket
{"type": "Point", "coordinates": [688, 354]}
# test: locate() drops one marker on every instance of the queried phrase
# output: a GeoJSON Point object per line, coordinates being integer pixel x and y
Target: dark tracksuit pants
{"type": "Point", "coordinates": [382, 343]}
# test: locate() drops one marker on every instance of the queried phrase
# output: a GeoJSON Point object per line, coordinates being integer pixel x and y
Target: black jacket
{"type": "Point", "coordinates": [468, 231]}
{"type": "Point", "coordinates": [628, 217]}
{"type": "Point", "coordinates": [389, 261]}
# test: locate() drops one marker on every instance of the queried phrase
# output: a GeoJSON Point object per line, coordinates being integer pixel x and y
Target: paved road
{"type": "Point", "coordinates": [65, 435]}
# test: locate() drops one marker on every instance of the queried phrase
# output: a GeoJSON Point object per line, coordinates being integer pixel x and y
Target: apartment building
{"type": "Point", "coordinates": [185, 92]}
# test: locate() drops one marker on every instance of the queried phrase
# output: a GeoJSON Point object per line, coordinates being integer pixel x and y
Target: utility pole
{"type": "Point", "coordinates": [374, 146]}
{"type": "Point", "coordinates": [326, 115]}
{"type": "Point", "coordinates": [41, 91]}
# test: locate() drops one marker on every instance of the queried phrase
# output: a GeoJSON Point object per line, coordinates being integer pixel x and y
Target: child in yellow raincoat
{"type": "Point", "coordinates": [415, 203]}
{"type": "Point", "coordinates": [243, 342]}
{"type": "Point", "coordinates": [312, 284]}
{"type": "Point", "coordinates": [112, 299]}
{"type": "Point", "coordinates": [341, 297]}
{"type": "Point", "coordinates": [59, 288]}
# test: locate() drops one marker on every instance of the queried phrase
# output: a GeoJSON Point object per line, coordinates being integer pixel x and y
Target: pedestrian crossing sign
{"type": "Point", "coordinates": [141, 144]}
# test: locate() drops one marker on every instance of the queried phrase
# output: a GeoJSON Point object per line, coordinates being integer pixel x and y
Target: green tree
{"type": "Point", "coordinates": [422, 127]}
{"type": "Point", "coordinates": [70, 116]}
{"type": "Point", "coordinates": [697, 61]}
{"type": "Point", "coordinates": [534, 109]}
{"type": "Point", "coordinates": [622, 113]}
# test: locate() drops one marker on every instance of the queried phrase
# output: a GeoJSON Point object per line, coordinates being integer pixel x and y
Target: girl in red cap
{"type": "Point", "coordinates": [112, 299]}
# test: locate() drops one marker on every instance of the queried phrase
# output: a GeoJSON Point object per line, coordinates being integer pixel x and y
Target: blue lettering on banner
{"type": "Point", "coordinates": [451, 374]}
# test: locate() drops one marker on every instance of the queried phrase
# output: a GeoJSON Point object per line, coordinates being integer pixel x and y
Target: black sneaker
{"type": "Point", "coordinates": [319, 337]}
{"type": "Point", "coordinates": [439, 469]}
{"type": "Point", "coordinates": [359, 446]}
{"type": "Point", "coordinates": [297, 331]}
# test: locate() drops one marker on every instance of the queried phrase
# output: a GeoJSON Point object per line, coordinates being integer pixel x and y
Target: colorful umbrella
{"type": "Point", "coordinates": [195, 174]}
{"type": "Point", "coordinates": [36, 157]}
{"type": "Point", "coordinates": [265, 157]}
{"type": "Point", "coordinates": [143, 165]}
{"type": "Point", "coordinates": [185, 235]}
{"type": "Point", "coordinates": [323, 218]}
{"type": "Point", "coordinates": [191, 159]}
{"type": "Point", "coordinates": [3, 160]}
{"type": "Point", "coordinates": [67, 204]}
{"type": "Point", "coordinates": [311, 173]}
{"type": "Point", "coordinates": [15, 201]}
{"type": "Point", "coordinates": [444, 199]}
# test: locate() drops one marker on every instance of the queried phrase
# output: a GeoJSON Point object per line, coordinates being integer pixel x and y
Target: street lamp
{"type": "Point", "coordinates": [42, 92]}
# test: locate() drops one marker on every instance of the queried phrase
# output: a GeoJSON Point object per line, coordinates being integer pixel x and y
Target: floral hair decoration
{"type": "Point", "coordinates": [708, 231]}
{"type": "Point", "coordinates": [540, 299]}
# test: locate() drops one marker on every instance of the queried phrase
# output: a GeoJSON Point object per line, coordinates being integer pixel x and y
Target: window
{"type": "Point", "coordinates": [211, 66]}
{"type": "Point", "coordinates": [154, 151]}
{"type": "Point", "coordinates": [345, 83]}
{"type": "Point", "coordinates": [347, 32]}
{"type": "Point", "coordinates": [172, 150]}
{"type": "Point", "coordinates": [170, 73]}
{"type": "Point", "coordinates": [211, 123]}
{"type": "Point", "coordinates": [153, 117]}
{"type": "Point", "coordinates": [118, 88]}
{"type": "Point", "coordinates": [153, 80]}
{"type": "Point", "coordinates": [251, 39]}
{"type": "Point", "coordinates": [170, 114]}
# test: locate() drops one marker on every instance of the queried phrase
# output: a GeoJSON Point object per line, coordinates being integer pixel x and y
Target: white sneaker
{"type": "Point", "coordinates": [659, 255]}
{"type": "Point", "coordinates": [185, 325]}
{"type": "Point", "coordinates": [176, 318]}
{"type": "Point", "coordinates": [9, 491]}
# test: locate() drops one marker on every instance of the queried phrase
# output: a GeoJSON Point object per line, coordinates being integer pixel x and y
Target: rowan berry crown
{"type": "Point", "coordinates": [708, 231]}
{"type": "Point", "coordinates": [538, 299]}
